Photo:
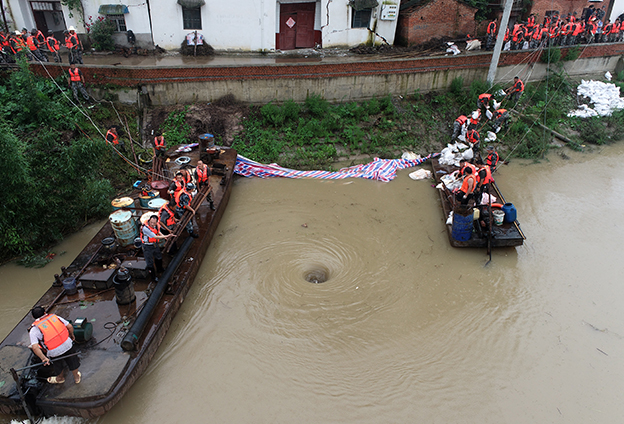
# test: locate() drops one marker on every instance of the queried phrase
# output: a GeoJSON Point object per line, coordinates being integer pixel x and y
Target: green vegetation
{"type": "Point", "coordinates": [101, 31]}
{"type": "Point", "coordinates": [176, 127]}
{"type": "Point", "coordinates": [54, 167]}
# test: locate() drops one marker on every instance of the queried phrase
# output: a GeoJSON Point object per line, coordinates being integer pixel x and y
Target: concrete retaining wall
{"type": "Point", "coordinates": [335, 81]}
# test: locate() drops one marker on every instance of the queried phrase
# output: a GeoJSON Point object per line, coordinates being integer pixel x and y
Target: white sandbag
{"type": "Point", "coordinates": [468, 154]}
{"type": "Point", "coordinates": [410, 156]}
{"type": "Point", "coordinates": [488, 114]}
{"type": "Point", "coordinates": [605, 98]}
{"type": "Point", "coordinates": [449, 220]}
{"type": "Point", "coordinates": [485, 199]}
{"type": "Point", "coordinates": [490, 137]}
{"type": "Point", "coordinates": [608, 76]}
{"type": "Point", "coordinates": [420, 174]}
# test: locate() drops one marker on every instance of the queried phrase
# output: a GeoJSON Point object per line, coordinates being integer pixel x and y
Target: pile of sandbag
{"type": "Point", "coordinates": [453, 153]}
{"type": "Point", "coordinates": [605, 98]}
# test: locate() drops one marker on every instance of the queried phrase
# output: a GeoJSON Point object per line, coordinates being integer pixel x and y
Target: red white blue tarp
{"type": "Point", "coordinates": [379, 169]}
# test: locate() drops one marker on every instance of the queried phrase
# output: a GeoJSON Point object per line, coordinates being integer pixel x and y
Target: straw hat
{"type": "Point", "coordinates": [71, 28]}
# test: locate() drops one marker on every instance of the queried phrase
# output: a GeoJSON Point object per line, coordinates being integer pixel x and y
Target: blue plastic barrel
{"type": "Point", "coordinates": [510, 212]}
{"type": "Point", "coordinates": [462, 225]}
{"type": "Point", "coordinates": [69, 284]}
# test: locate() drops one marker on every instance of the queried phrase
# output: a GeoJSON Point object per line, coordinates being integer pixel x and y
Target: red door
{"type": "Point", "coordinates": [296, 26]}
{"type": "Point", "coordinates": [305, 29]}
{"type": "Point", "coordinates": [288, 32]}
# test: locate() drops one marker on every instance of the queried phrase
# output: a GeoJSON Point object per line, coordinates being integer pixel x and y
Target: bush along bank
{"type": "Point", "coordinates": [57, 172]}
{"type": "Point", "coordinates": [316, 134]}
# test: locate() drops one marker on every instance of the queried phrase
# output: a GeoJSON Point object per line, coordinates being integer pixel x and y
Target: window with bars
{"type": "Point", "coordinates": [361, 18]}
{"type": "Point", "coordinates": [119, 21]}
{"type": "Point", "coordinates": [191, 17]}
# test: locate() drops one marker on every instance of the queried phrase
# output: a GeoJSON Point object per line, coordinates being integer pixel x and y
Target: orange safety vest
{"type": "Point", "coordinates": [491, 29]}
{"type": "Point", "coordinates": [500, 112]}
{"type": "Point", "coordinates": [492, 159]}
{"type": "Point", "coordinates": [40, 37]}
{"type": "Point", "coordinates": [30, 40]}
{"type": "Point", "coordinates": [474, 121]}
{"type": "Point", "coordinates": [19, 43]}
{"type": "Point", "coordinates": [52, 44]}
{"type": "Point", "coordinates": [54, 332]}
{"type": "Point", "coordinates": [178, 194]}
{"type": "Point", "coordinates": [159, 142]}
{"type": "Point", "coordinates": [75, 76]}
{"type": "Point", "coordinates": [5, 41]}
{"type": "Point", "coordinates": [465, 187]}
{"type": "Point", "coordinates": [462, 119]}
{"type": "Point", "coordinates": [170, 221]}
{"type": "Point", "coordinates": [468, 165]}
{"type": "Point", "coordinates": [115, 136]}
{"type": "Point", "coordinates": [178, 185]}
{"type": "Point", "coordinates": [472, 137]}
{"type": "Point", "coordinates": [519, 86]}
{"type": "Point", "coordinates": [73, 38]}
{"type": "Point", "coordinates": [488, 176]}
{"type": "Point", "coordinates": [531, 21]}
{"type": "Point", "coordinates": [68, 42]}
{"type": "Point", "coordinates": [485, 98]}
{"type": "Point", "coordinates": [146, 239]}
{"type": "Point", "coordinates": [202, 174]}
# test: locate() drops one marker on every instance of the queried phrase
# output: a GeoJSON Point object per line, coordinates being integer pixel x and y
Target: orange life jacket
{"type": "Point", "coordinates": [109, 132]}
{"type": "Point", "coordinates": [73, 38]}
{"type": "Point", "coordinates": [491, 29]}
{"type": "Point", "coordinates": [170, 220]}
{"type": "Point", "coordinates": [179, 193]}
{"type": "Point", "coordinates": [68, 42]}
{"type": "Point", "coordinates": [53, 44]}
{"type": "Point", "coordinates": [178, 185]}
{"type": "Point", "coordinates": [30, 40]}
{"type": "Point", "coordinates": [54, 332]}
{"type": "Point", "coordinates": [519, 86]}
{"type": "Point", "coordinates": [4, 41]}
{"type": "Point", "coordinates": [531, 21]}
{"type": "Point", "coordinates": [500, 112]}
{"type": "Point", "coordinates": [492, 160]}
{"type": "Point", "coordinates": [475, 121]}
{"type": "Point", "coordinates": [202, 174]}
{"type": "Point", "coordinates": [462, 171]}
{"type": "Point", "coordinates": [75, 76]}
{"type": "Point", "coordinates": [145, 238]}
{"type": "Point", "coordinates": [19, 43]}
{"type": "Point", "coordinates": [159, 142]}
{"type": "Point", "coordinates": [472, 136]}
{"type": "Point", "coordinates": [40, 37]}
{"type": "Point", "coordinates": [485, 98]}
{"type": "Point", "coordinates": [465, 187]}
{"type": "Point", "coordinates": [462, 119]}
{"type": "Point", "coordinates": [488, 176]}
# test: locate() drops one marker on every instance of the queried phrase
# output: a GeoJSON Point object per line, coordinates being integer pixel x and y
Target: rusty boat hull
{"type": "Point", "coordinates": [108, 371]}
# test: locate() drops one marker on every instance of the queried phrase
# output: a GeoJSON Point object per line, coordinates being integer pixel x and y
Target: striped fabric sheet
{"type": "Point", "coordinates": [379, 169]}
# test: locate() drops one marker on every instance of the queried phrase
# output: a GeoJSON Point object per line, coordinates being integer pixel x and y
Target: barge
{"type": "Point", "coordinates": [116, 341]}
{"type": "Point", "coordinates": [508, 234]}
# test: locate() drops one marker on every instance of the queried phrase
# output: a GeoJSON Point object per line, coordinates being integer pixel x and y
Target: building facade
{"type": "Point", "coordinates": [235, 25]}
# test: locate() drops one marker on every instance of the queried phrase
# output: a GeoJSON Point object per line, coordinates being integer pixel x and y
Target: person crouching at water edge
{"type": "Point", "coordinates": [150, 235]}
{"type": "Point", "coordinates": [57, 337]}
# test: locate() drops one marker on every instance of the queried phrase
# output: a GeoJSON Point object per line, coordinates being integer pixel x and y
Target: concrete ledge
{"type": "Point", "coordinates": [336, 81]}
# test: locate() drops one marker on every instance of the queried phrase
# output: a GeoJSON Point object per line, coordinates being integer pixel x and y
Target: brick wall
{"type": "Point", "coordinates": [438, 18]}
{"type": "Point", "coordinates": [563, 6]}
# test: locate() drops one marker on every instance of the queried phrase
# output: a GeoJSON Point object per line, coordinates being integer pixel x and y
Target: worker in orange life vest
{"type": "Point", "coordinates": [74, 45]}
{"type": "Point", "coordinates": [160, 148]}
{"type": "Point", "coordinates": [466, 192]}
{"type": "Point", "coordinates": [473, 121]}
{"type": "Point", "coordinates": [150, 236]}
{"type": "Point", "coordinates": [76, 83]}
{"type": "Point", "coordinates": [491, 35]}
{"type": "Point", "coordinates": [202, 176]}
{"type": "Point", "coordinates": [459, 126]}
{"type": "Point", "coordinates": [492, 158]}
{"type": "Point", "coordinates": [32, 43]}
{"type": "Point", "coordinates": [56, 336]}
{"type": "Point", "coordinates": [177, 184]}
{"type": "Point", "coordinates": [483, 102]}
{"type": "Point", "coordinates": [19, 46]}
{"type": "Point", "coordinates": [183, 199]}
{"type": "Point", "coordinates": [501, 117]}
{"type": "Point", "coordinates": [112, 137]}
{"type": "Point", "coordinates": [166, 216]}
{"type": "Point", "coordinates": [484, 178]}
{"type": "Point", "coordinates": [516, 90]}
{"type": "Point", "coordinates": [473, 139]}
{"type": "Point", "coordinates": [463, 165]}
{"type": "Point", "coordinates": [54, 47]}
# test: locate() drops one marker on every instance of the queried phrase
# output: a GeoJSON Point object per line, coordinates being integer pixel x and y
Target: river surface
{"type": "Point", "coordinates": [405, 329]}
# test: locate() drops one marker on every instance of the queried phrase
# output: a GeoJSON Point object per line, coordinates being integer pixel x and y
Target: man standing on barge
{"type": "Point", "coordinates": [57, 337]}
{"type": "Point", "coordinates": [150, 236]}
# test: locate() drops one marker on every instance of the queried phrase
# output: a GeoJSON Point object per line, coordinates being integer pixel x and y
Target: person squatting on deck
{"type": "Point", "coordinates": [492, 158]}
{"type": "Point", "coordinates": [150, 235]}
{"type": "Point", "coordinates": [57, 337]}
{"type": "Point", "coordinates": [202, 176]}
{"type": "Point", "coordinates": [466, 192]}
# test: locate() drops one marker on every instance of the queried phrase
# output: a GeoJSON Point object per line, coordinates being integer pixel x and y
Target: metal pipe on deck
{"type": "Point", "coordinates": [129, 341]}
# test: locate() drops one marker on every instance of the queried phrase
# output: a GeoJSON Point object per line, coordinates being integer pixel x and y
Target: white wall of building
{"type": "Point", "coordinates": [234, 25]}
{"type": "Point", "coordinates": [618, 9]}
{"type": "Point", "coordinates": [337, 31]}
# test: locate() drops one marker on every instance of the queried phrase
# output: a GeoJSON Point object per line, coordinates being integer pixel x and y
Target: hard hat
{"type": "Point", "coordinates": [71, 28]}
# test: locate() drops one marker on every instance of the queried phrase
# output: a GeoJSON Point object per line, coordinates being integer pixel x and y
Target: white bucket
{"type": "Point", "coordinates": [498, 216]}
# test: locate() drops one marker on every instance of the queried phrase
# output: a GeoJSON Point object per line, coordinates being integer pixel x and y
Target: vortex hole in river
{"type": "Point", "coordinates": [317, 275]}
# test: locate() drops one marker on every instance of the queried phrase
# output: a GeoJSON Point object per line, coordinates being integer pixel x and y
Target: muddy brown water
{"type": "Point", "coordinates": [405, 328]}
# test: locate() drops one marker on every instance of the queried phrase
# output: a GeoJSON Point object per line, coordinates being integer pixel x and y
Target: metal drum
{"type": "Point", "coordinates": [157, 203]}
{"type": "Point", "coordinates": [124, 227]}
{"type": "Point", "coordinates": [144, 200]}
{"type": "Point", "coordinates": [122, 202]}
{"type": "Point", "coordinates": [161, 187]}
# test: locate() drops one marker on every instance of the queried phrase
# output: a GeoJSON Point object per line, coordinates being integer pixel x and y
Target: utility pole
{"type": "Point", "coordinates": [499, 42]}
{"type": "Point", "coordinates": [6, 26]}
